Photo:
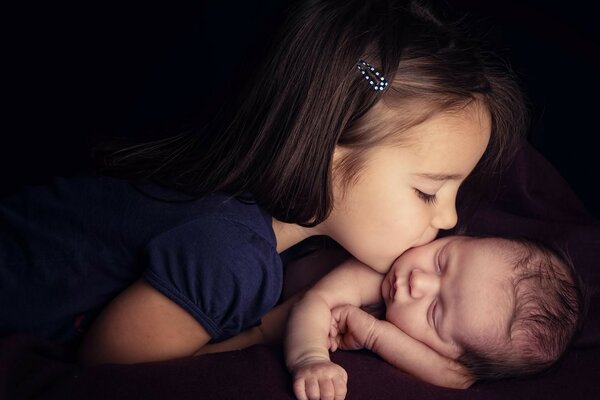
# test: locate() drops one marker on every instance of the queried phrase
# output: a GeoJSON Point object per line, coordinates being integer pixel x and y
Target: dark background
{"type": "Point", "coordinates": [74, 74]}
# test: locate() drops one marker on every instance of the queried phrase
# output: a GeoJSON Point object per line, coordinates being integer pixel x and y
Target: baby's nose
{"type": "Point", "coordinates": [423, 283]}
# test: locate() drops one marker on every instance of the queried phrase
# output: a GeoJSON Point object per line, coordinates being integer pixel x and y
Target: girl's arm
{"type": "Point", "coordinates": [141, 324]}
{"type": "Point", "coordinates": [300, 274]}
{"type": "Point", "coordinates": [307, 340]}
{"type": "Point", "coordinates": [355, 329]}
{"type": "Point", "coordinates": [270, 331]}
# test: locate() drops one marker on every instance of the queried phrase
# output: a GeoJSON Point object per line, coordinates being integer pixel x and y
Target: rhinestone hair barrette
{"type": "Point", "coordinates": [374, 77]}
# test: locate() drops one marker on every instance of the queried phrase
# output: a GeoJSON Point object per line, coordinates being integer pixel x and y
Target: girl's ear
{"type": "Point", "coordinates": [337, 171]}
{"type": "Point", "coordinates": [338, 154]}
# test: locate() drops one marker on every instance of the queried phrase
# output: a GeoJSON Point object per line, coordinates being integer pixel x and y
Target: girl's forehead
{"type": "Point", "coordinates": [405, 124]}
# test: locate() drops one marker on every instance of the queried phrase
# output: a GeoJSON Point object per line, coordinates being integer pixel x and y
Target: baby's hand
{"type": "Point", "coordinates": [320, 379]}
{"type": "Point", "coordinates": [351, 329]}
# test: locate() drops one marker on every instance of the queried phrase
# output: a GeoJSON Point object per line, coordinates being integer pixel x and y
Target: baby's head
{"type": "Point", "coordinates": [501, 307]}
{"type": "Point", "coordinates": [547, 311]}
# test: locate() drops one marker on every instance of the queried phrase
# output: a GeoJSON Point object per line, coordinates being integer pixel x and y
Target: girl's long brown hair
{"type": "Point", "coordinates": [309, 97]}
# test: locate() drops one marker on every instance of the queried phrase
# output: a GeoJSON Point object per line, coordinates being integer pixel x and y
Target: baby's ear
{"type": "Point", "coordinates": [450, 372]}
{"type": "Point", "coordinates": [459, 377]}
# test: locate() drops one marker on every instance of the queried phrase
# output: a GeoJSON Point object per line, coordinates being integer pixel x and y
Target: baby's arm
{"type": "Point", "coordinates": [307, 339]}
{"type": "Point", "coordinates": [353, 328]}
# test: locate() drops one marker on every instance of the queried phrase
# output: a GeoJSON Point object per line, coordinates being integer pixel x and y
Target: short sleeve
{"type": "Point", "coordinates": [225, 274]}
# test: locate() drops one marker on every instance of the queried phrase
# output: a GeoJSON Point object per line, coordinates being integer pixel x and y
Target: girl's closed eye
{"type": "Point", "coordinates": [426, 197]}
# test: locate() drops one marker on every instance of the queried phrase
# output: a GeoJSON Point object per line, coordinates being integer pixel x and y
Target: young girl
{"type": "Point", "coordinates": [362, 126]}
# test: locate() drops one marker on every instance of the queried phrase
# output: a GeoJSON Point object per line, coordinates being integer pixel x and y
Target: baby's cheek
{"type": "Point", "coordinates": [408, 320]}
{"type": "Point", "coordinates": [398, 316]}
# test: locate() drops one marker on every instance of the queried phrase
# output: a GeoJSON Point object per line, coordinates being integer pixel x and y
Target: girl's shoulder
{"type": "Point", "coordinates": [213, 211]}
{"type": "Point", "coordinates": [139, 211]}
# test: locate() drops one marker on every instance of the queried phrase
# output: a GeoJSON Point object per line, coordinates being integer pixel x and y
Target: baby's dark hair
{"type": "Point", "coordinates": [548, 312]}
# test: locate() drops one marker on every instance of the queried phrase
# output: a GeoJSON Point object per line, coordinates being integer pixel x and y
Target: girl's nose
{"type": "Point", "coordinates": [422, 283]}
{"type": "Point", "coordinates": [446, 216]}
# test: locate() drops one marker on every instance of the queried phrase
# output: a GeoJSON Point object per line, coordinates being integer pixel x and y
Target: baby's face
{"type": "Point", "coordinates": [453, 290]}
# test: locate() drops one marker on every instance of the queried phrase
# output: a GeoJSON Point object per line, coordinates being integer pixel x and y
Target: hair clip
{"type": "Point", "coordinates": [374, 77]}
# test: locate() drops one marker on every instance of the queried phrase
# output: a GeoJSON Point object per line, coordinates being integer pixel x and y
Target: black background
{"type": "Point", "coordinates": [73, 74]}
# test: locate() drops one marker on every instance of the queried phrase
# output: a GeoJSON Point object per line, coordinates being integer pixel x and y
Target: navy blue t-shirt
{"type": "Point", "coordinates": [68, 248]}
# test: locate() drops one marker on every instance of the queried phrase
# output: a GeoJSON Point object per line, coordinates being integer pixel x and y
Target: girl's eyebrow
{"type": "Point", "coordinates": [440, 177]}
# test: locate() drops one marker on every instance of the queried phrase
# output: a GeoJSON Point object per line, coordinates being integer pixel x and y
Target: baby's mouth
{"type": "Point", "coordinates": [393, 288]}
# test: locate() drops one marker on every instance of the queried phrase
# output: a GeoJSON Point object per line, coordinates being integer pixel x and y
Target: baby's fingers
{"type": "Point", "coordinates": [340, 385]}
{"type": "Point", "coordinates": [333, 337]}
{"type": "Point", "coordinates": [307, 389]}
{"type": "Point", "coordinates": [321, 389]}
{"type": "Point", "coordinates": [331, 389]}
{"type": "Point", "coordinates": [333, 344]}
{"type": "Point", "coordinates": [320, 381]}
{"type": "Point", "coordinates": [333, 328]}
